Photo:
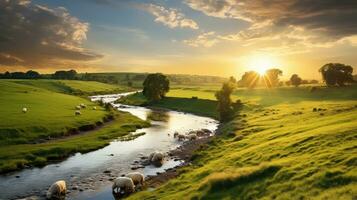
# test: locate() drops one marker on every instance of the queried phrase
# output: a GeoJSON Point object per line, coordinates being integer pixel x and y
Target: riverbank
{"type": "Point", "coordinates": [201, 107]}
{"type": "Point", "coordinates": [16, 157]}
{"type": "Point", "coordinates": [290, 150]}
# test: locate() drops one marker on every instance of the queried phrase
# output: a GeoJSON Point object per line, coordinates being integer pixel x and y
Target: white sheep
{"type": "Point", "coordinates": [78, 107]}
{"type": "Point", "coordinates": [83, 105]}
{"type": "Point", "coordinates": [192, 137]}
{"type": "Point", "coordinates": [124, 185]}
{"type": "Point", "coordinates": [137, 177]}
{"type": "Point", "coordinates": [156, 158]}
{"type": "Point", "coordinates": [57, 190]}
{"type": "Point", "coordinates": [78, 112]}
{"type": "Point", "coordinates": [24, 110]}
{"type": "Point", "coordinates": [94, 108]}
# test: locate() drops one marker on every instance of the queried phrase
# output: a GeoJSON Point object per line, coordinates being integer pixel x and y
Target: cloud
{"type": "Point", "coordinates": [207, 39]}
{"type": "Point", "coordinates": [36, 35]}
{"type": "Point", "coordinates": [323, 19]}
{"type": "Point", "coordinates": [170, 17]}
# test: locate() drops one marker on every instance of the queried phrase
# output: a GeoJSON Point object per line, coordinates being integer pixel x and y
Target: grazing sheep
{"type": "Point", "coordinates": [83, 105]}
{"type": "Point", "coordinates": [176, 134]}
{"type": "Point", "coordinates": [78, 112]}
{"type": "Point", "coordinates": [78, 107]}
{"type": "Point", "coordinates": [192, 137]}
{"type": "Point", "coordinates": [137, 177]}
{"type": "Point", "coordinates": [57, 190]}
{"type": "Point", "coordinates": [124, 185]}
{"type": "Point", "coordinates": [156, 158]}
{"type": "Point", "coordinates": [94, 108]}
{"type": "Point", "coordinates": [24, 110]}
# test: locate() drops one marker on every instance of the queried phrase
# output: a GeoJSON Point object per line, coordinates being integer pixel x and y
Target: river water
{"type": "Point", "coordinates": [84, 172]}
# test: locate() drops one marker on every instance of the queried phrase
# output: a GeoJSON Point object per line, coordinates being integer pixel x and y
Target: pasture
{"type": "Point", "coordinates": [277, 147]}
{"type": "Point", "coordinates": [50, 115]}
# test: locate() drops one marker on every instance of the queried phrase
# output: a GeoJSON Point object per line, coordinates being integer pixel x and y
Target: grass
{"type": "Point", "coordinates": [277, 148]}
{"type": "Point", "coordinates": [203, 107]}
{"type": "Point", "coordinates": [13, 157]}
{"type": "Point", "coordinates": [49, 113]}
{"type": "Point", "coordinates": [24, 137]}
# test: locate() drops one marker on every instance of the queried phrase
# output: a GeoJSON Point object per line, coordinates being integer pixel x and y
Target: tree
{"type": "Point", "coordinates": [295, 80]}
{"type": "Point", "coordinates": [223, 96]}
{"type": "Point", "coordinates": [156, 86]}
{"type": "Point", "coordinates": [249, 79]}
{"type": "Point", "coordinates": [32, 74]}
{"type": "Point", "coordinates": [336, 74]}
{"type": "Point", "coordinates": [271, 77]}
{"type": "Point", "coordinates": [70, 75]}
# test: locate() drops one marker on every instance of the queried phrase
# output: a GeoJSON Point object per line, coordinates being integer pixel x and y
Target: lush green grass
{"type": "Point", "coordinates": [49, 113]}
{"type": "Point", "coordinates": [14, 157]}
{"type": "Point", "coordinates": [73, 86]}
{"type": "Point", "coordinates": [279, 149]}
{"type": "Point", "coordinates": [204, 107]}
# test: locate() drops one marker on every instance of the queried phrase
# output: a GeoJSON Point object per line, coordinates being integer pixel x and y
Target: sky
{"type": "Point", "coordinates": [205, 37]}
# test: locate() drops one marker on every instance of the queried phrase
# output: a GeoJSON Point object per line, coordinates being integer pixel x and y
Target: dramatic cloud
{"type": "Point", "coordinates": [329, 19]}
{"type": "Point", "coordinates": [35, 35]}
{"type": "Point", "coordinates": [171, 17]}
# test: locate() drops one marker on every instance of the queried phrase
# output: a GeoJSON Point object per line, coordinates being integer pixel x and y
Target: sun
{"type": "Point", "coordinates": [261, 63]}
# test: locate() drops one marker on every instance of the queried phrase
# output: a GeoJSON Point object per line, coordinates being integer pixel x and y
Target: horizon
{"type": "Point", "coordinates": [177, 37]}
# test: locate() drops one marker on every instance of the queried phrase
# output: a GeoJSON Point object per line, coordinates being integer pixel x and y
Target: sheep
{"type": "Point", "coordinates": [57, 190]}
{"type": "Point", "coordinates": [94, 108]}
{"type": "Point", "coordinates": [137, 177]}
{"type": "Point", "coordinates": [78, 107]}
{"type": "Point", "coordinates": [192, 137]}
{"type": "Point", "coordinates": [124, 185]}
{"type": "Point", "coordinates": [24, 110]}
{"type": "Point", "coordinates": [83, 105]}
{"type": "Point", "coordinates": [180, 137]}
{"type": "Point", "coordinates": [78, 112]}
{"type": "Point", "coordinates": [176, 134]}
{"type": "Point", "coordinates": [156, 158]}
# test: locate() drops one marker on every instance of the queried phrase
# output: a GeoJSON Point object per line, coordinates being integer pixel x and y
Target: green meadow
{"type": "Point", "coordinates": [26, 137]}
{"type": "Point", "coordinates": [277, 147]}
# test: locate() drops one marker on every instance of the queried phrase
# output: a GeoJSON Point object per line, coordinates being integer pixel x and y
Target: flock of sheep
{"type": "Point", "coordinates": [127, 184]}
{"type": "Point", "coordinates": [77, 112]}
{"type": "Point", "coordinates": [123, 185]}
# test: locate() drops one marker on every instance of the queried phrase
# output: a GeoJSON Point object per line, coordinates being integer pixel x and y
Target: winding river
{"type": "Point", "coordinates": [89, 175]}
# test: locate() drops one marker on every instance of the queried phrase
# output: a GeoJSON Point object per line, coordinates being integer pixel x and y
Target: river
{"type": "Point", "coordinates": [84, 173]}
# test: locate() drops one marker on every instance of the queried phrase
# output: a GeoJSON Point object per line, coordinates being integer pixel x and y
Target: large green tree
{"type": "Point", "coordinates": [223, 96]}
{"type": "Point", "coordinates": [336, 74]}
{"type": "Point", "coordinates": [156, 86]}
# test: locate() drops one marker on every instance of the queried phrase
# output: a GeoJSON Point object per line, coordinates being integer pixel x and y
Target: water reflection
{"type": "Point", "coordinates": [90, 166]}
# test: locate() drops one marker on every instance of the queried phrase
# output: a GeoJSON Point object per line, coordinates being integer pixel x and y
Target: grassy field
{"type": "Point", "coordinates": [73, 86]}
{"type": "Point", "coordinates": [277, 148]}
{"type": "Point", "coordinates": [51, 114]}
{"type": "Point", "coordinates": [203, 107]}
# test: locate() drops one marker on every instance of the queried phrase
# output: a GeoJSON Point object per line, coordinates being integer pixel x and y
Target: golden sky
{"type": "Point", "coordinates": [224, 38]}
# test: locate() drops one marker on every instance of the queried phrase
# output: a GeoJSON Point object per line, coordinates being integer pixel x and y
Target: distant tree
{"type": "Point", "coordinates": [18, 75]}
{"type": "Point", "coordinates": [32, 74]}
{"type": "Point", "coordinates": [223, 96]}
{"type": "Point", "coordinates": [233, 80]}
{"type": "Point", "coordinates": [336, 74]}
{"type": "Point", "coordinates": [69, 75]}
{"type": "Point", "coordinates": [271, 77]}
{"type": "Point", "coordinates": [288, 83]}
{"type": "Point", "coordinates": [156, 86]}
{"type": "Point", "coordinates": [313, 82]}
{"type": "Point", "coordinates": [249, 79]}
{"type": "Point", "coordinates": [295, 80]}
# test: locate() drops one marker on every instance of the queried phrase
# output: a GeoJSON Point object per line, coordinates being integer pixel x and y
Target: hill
{"type": "Point", "coordinates": [284, 144]}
